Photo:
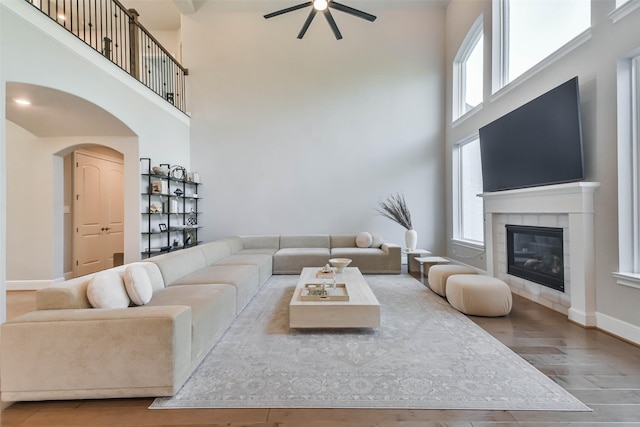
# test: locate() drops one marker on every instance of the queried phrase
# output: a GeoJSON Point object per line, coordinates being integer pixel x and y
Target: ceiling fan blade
{"type": "Point", "coordinates": [355, 12]}
{"type": "Point", "coordinates": [305, 27]}
{"type": "Point", "coordinates": [332, 24]}
{"type": "Point", "coordinates": [289, 9]}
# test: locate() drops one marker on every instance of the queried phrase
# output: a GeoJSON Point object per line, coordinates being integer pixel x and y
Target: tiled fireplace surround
{"type": "Point", "coordinates": [567, 206]}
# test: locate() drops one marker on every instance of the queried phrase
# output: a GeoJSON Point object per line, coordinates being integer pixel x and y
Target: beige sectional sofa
{"type": "Point", "coordinates": [67, 349]}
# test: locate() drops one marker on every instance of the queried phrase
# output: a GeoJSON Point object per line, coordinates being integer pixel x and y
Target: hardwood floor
{"type": "Point", "coordinates": [600, 370]}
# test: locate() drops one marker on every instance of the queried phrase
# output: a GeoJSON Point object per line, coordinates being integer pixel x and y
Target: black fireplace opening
{"type": "Point", "coordinates": [536, 254]}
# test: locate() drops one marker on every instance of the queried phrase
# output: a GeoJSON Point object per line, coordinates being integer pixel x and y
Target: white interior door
{"type": "Point", "coordinates": [98, 212]}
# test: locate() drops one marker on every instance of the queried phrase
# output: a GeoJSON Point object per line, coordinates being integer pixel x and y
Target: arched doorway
{"type": "Point", "coordinates": [38, 139]}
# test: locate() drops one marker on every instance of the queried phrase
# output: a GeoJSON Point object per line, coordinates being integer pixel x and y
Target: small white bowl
{"type": "Point", "coordinates": [340, 263]}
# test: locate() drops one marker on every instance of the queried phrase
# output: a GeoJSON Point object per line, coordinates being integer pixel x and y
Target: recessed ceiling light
{"type": "Point", "coordinates": [61, 17]}
{"type": "Point", "coordinates": [22, 101]}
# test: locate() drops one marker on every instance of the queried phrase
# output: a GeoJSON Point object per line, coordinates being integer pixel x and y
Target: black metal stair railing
{"type": "Point", "coordinates": [112, 30]}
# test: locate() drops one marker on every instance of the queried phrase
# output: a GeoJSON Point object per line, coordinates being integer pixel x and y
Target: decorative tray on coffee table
{"type": "Point", "coordinates": [322, 292]}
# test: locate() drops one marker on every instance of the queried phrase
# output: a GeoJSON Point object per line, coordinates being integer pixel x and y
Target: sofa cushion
{"type": "Point", "coordinates": [176, 265]}
{"type": "Point", "coordinates": [343, 240]}
{"type": "Point", "coordinates": [153, 271]}
{"type": "Point", "coordinates": [213, 308]}
{"type": "Point", "coordinates": [369, 260]}
{"type": "Point", "coordinates": [292, 260]}
{"type": "Point", "coordinates": [271, 242]}
{"type": "Point", "coordinates": [215, 251]}
{"type": "Point", "coordinates": [262, 261]}
{"type": "Point", "coordinates": [234, 244]}
{"type": "Point", "coordinates": [106, 290]}
{"type": "Point", "coordinates": [364, 239]}
{"type": "Point", "coordinates": [137, 284]}
{"type": "Point", "coordinates": [305, 241]}
{"type": "Point", "coordinates": [258, 251]}
{"type": "Point", "coordinates": [245, 278]}
{"type": "Point", "coordinates": [377, 240]}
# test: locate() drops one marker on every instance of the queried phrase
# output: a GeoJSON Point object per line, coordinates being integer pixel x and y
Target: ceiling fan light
{"type": "Point", "coordinates": [320, 5]}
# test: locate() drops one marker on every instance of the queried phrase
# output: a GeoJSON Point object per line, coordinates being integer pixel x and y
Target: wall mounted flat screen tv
{"type": "Point", "coordinates": [539, 143]}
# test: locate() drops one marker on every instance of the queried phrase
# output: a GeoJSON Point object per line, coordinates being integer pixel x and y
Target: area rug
{"type": "Point", "coordinates": [425, 355]}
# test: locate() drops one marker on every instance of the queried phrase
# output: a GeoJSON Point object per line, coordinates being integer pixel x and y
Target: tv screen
{"type": "Point", "coordinates": [539, 143]}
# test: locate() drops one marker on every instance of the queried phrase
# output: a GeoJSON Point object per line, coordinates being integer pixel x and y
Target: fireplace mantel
{"type": "Point", "coordinates": [574, 200]}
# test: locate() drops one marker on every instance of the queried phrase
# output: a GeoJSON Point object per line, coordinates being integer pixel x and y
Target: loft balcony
{"type": "Point", "coordinates": [115, 32]}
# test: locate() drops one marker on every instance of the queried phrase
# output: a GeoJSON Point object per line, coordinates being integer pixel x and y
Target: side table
{"type": "Point", "coordinates": [412, 264]}
{"type": "Point", "coordinates": [429, 261]}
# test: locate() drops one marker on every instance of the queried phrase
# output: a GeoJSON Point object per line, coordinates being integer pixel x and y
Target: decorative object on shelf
{"type": "Point", "coordinates": [155, 208]}
{"type": "Point", "coordinates": [193, 177]}
{"type": "Point", "coordinates": [173, 206]}
{"type": "Point", "coordinates": [340, 263]}
{"type": "Point", "coordinates": [160, 170]}
{"type": "Point", "coordinates": [156, 187]}
{"type": "Point", "coordinates": [191, 238]}
{"type": "Point", "coordinates": [162, 227]}
{"type": "Point", "coordinates": [192, 220]}
{"type": "Point", "coordinates": [178, 172]}
{"type": "Point", "coordinates": [178, 192]}
{"type": "Point", "coordinates": [395, 208]}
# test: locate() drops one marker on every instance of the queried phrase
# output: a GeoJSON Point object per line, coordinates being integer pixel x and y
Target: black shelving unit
{"type": "Point", "coordinates": [170, 214]}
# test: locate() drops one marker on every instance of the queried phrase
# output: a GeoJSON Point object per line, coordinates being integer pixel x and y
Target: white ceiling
{"type": "Point", "coordinates": [160, 15]}
{"type": "Point", "coordinates": [53, 113]}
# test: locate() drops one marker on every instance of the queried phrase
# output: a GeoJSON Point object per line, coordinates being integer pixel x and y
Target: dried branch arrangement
{"type": "Point", "coordinates": [395, 208]}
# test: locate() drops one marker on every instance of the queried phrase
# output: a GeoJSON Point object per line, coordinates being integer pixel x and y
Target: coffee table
{"type": "Point", "coordinates": [362, 310]}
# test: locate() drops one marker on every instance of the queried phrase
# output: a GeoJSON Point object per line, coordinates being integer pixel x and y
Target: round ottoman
{"type": "Point", "coordinates": [479, 295]}
{"type": "Point", "coordinates": [438, 275]}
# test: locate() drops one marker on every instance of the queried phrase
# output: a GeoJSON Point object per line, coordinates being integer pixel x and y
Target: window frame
{"type": "Point", "coordinates": [629, 171]}
{"type": "Point", "coordinates": [475, 34]}
{"type": "Point", "coordinates": [500, 82]}
{"type": "Point", "coordinates": [457, 195]}
{"type": "Point", "coordinates": [624, 9]}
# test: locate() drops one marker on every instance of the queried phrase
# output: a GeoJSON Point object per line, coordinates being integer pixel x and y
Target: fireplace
{"type": "Point", "coordinates": [536, 254]}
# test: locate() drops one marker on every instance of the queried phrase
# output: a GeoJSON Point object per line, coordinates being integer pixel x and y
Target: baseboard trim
{"type": "Point", "coordinates": [619, 328]}
{"type": "Point", "coordinates": [31, 285]}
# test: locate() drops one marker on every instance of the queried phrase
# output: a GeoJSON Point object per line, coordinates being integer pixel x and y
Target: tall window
{"type": "Point", "coordinates": [468, 221]}
{"type": "Point", "coordinates": [468, 72]}
{"type": "Point", "coordinates": [629, 171]}
{"type": "Point", "coordinates": [531, 30]}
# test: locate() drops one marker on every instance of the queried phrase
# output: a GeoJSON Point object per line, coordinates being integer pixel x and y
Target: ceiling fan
{"type": "Point", "coordinates": [323, 6]}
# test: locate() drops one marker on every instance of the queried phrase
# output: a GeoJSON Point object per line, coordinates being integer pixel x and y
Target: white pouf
{"type": "Point", "coordinates": [438, 275]}
{"type": "Point", "coordinates": [479, 295]}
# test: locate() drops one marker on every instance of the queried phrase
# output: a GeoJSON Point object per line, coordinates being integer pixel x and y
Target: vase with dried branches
{"type": "Point", "coordinates": [395, 208]}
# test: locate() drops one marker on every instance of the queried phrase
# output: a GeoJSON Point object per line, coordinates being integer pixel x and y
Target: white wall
{"type": "Point", "coordinates": [306, 136]}
{"type": "Point", "coordinates": [35, 50]}
{"type": "Point", "coordinates": [594, 62]}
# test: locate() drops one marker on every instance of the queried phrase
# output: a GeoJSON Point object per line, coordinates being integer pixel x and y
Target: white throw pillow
{"type": "Point", "coordinates": [377, 240]}
{"type": "Point", "coordinates": [364, 239]}
{"type": "Point", "coordinates": [106, 290]}
{"type": "Point", "coordinates": [138, 284]}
